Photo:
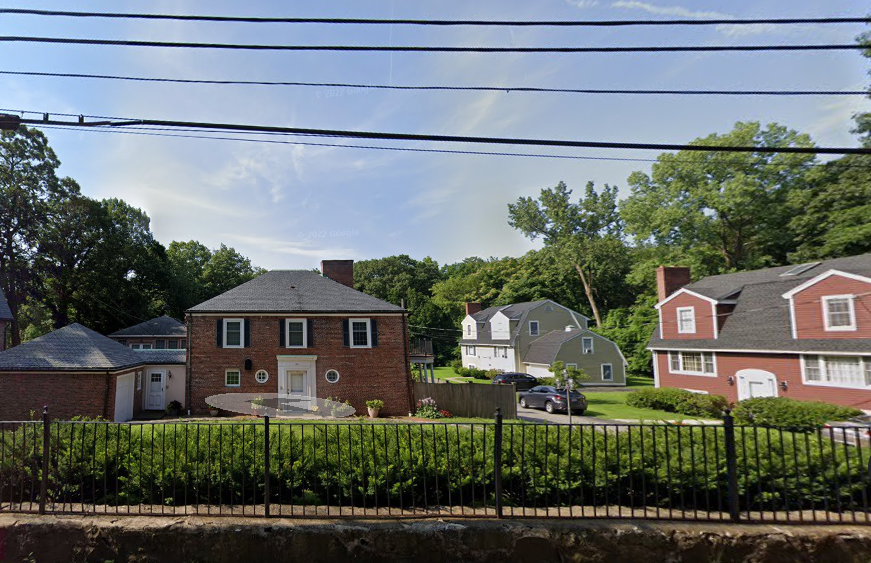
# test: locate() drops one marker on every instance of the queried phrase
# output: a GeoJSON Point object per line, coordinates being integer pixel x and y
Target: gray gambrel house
{"type": "Point", "coordinates": [529, 337]}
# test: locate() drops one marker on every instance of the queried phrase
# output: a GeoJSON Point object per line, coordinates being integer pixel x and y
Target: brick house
{"type": "Point", "coordinates": [794, 331]}
{"type": "Point", "coordinates": [161, 333]}
{"type": "Point", "coordinates": [5, 320]}
{"type": "Point", "coordinates": [297, 332]}
{"type": "Point", "coordinates": [78, 372]}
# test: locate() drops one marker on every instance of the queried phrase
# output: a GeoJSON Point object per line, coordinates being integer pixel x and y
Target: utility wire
{"type": "Point", "coordinates": [506, 89]}
{"type": "Point", "coordinates": [371, 21]}
{"type": "Point", "coordinates": [431, 48]}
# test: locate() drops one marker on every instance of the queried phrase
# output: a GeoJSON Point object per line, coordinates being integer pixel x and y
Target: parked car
{"type": "Point", "coordinates": [553, 400]}
{"type": "Point", "coordinates": [521, 381]}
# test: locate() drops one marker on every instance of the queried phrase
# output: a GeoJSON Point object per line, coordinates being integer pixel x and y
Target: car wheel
{"type": "Point", "coordinates": [548, 406]}
{"type": "Point", "coordinates": [523, 402]}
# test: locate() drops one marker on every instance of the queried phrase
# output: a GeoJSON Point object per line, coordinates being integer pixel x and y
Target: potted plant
{"type": "Point", "coordinates": [213, 410]}
{"type": "Point", "coordinates": [173, 408]}
{"type": "Point", "coordinates": [258, 403]}
{"type": "Point", "coordinates": [374, 406]}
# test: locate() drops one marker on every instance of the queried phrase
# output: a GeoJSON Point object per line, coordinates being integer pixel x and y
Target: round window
{"type": "Point", "coordinates": [332, 376]}
{"type": "Point", "coordinates": [262, 376]}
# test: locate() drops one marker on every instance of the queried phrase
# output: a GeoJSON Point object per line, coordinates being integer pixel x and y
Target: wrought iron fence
{"type": "Point", "coordinates": [278, 468]}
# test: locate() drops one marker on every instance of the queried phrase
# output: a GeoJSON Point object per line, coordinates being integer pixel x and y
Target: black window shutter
{"type": "Point", "coordinates": [346, 333]}
{"type": "Point", "coordinates": [310, 332]}
{"type": "Point", "coordinates": [282, 325]}
{"type": "Point", "coordinates": [219, 331]}
{"type": "Point", "coordinates": [373, 324]}
{"type": "Point", "coordinates": [247, 333]}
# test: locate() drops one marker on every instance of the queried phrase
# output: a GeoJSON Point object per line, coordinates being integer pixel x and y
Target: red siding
{"type": "Point", "coordinates": [786, 367]}
{"type": "Point", "coordinates": [704, 318]}
{"type": "Point", "coordinates": [365, 373]}
{"type": "Point", "coordinates": [809, 308]}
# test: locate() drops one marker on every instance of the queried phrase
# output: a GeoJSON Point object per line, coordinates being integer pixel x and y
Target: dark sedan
{"type": "Point", "coordinates": [553, 400]}
{"type": "Point", "coordinates": [521, 381]}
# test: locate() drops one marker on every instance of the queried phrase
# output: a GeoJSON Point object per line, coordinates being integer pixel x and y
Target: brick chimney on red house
{"type": "Point", "coordinates": [671, 278]}
{"type": "Point", "coordinates": [472, 308]}
{"type": "Point", "coordinates": [341, 271]}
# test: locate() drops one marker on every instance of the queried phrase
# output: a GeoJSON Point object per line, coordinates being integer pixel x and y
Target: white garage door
{"type": "Point", "coordinates": [124, 398]}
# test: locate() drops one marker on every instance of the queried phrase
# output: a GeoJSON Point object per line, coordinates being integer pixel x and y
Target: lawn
{"type": "Point", "coordinates": [446, 372]}
{"type": "Point", "coordinates": [613, 406]}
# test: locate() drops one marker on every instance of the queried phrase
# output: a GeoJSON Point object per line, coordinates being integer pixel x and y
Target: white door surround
{"type": "Point", "coordinates": [156, 390]}
{"type": "Point", "coordinates": [297, 381]}
{"type": "Point", "coordinates": [754, 383]}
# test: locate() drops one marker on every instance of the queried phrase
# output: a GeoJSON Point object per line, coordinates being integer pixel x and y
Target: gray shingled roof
{"type": "Point", "coordinates": [294, 291]}
{"type": "Point", "coordinates": [760, 320]}
{"type": "Point", "coordinates": [163, 356]}
{"type": "Point", "coordinates": [5, 312]}
{"type": "Point", "coordinates": [160, 326]}
{"type": "Point", "coordinates": [544, 349]}
{"type": "Point", "coordinates": [515, 311]}
{"type": "Point", "coordinates": [73, 347]}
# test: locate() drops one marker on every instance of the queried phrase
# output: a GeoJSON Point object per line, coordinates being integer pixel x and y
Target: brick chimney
{"type": "Point", "coordinates": [472, 308]}
{"type": "Point", "coordinates": [671, 278]}
{"type": "Point", "coordinates": [341, 271]}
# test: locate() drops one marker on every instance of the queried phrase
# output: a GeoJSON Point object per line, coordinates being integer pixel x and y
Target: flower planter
{"type": "Point", "coordinates": [213, 412]}
{"type": "Point", "coordinates": [373, 413]}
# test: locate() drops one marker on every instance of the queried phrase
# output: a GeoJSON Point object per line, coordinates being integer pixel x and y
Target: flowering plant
{"type": "Point", "coordinates": [427, 408]}
{"type": "Point", "coordinates": [446, 414]}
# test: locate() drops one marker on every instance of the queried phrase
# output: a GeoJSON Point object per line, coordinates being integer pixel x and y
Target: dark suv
{"type": "Point", "coordinates": [521, 381]}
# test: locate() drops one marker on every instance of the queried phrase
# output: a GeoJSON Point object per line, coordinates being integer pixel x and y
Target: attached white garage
{"type": "Point", "coordinates": [124, 393]}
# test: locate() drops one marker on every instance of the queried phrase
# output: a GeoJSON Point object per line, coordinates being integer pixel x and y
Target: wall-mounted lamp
{"type": "Point", "coordinates": [169, 375]}
{"type": "Point", "coordinates": [248, 364]}
{"type": "Point", "coordinates": [784, 385]}
{"type": "Point", "coordinates": [730, 380]}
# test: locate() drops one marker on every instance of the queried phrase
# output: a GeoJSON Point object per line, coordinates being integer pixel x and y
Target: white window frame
{"type": "Point", "coordinates": [469, 330]}
{"type": "Point", "coordinates": [572, 366]}
{"type": "Point", "coordinates": [264, 372]}
{"type": "Point", "coordinates": [139, 381]}
{"type": "Point", "coordinates": [304, 332]}
{"type": "Point", "coordinates": [368, 333]}
{"type": "Point", "coordinates": [864, 366]}
{"type": "Point", "coordinates": [470, 351]}
{"type": "Point", "coordinates": [851, 307]}
{"type": "Point", "coordinates": [537, 328]}
{"type": "Point", "coordinates": [680, 327]}
{"type": "Point", "coordinates": [584, 341]}
{"type": "Point", "coordinates": [328, 372]}
{"type": "Point", "coordinates": [138, 346]}
{"type": "Point", "coordinates": [241, 333]}
{"type": "Point", "coordinates": [603, 372]}
{"type": "Point", "coordinates": [682, 371]}
{"type": "Point", "coordinates": [227, 372]}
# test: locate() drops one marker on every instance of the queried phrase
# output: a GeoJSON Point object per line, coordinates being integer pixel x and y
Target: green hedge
{"type": "Point", "coordinates": [679, 401]}
{"type": "Point", "coordinates": [789, 414]}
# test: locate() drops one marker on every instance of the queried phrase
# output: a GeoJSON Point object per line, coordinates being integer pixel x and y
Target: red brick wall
{"type": "Point", "coordinates": [786, 367]}
{"type": "Point", "coordinates": [365, 373]}
{"type": "Point", "coordinates": [809, 308]}
{"type": "Point", "coordinates": [704, 318]}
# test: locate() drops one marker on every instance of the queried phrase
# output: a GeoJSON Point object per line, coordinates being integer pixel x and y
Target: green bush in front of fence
{"type": "Point", "coordinates": [432, 465]}
{"type": "Point", "coordinates": [789, 414]}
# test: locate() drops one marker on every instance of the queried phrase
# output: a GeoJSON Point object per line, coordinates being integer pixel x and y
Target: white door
{"type": "Point", "coordinates": [156, 390]}
{"type": "Point", "coordinates": [753, 383]}
{"type": "Point", "coordinates": [124, 398]}
{"type": "Point", "coordinates": [297, 395]}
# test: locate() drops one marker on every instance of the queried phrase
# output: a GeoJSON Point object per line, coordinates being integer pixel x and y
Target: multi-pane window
{"type": "Point", "coordinates": [468, 330]}
{"type": "Point", "coordinates": [838, 371]}
{"type": "Point", "coordinates": [587, 345]}
{"type": "Point", "coordinates": [183, 344]}
{"type": "Point", "coordinates": [692, 363]}
{"type": "Point", "coordinates": [686, 320]}
{"type": "Point", "coordinates": [172, 344]}
{"type": "Point", "coordinates": [232, 378]}
{"type": "Point", "coordinates": [533, 328]}
{"type": "Point", "coordinates": [141, 346]}
{"type": "Point", "coordinates": [233, 333]}
{"type": "Point", "coordinates": [160, 344]}
{"type": "Point", "coordinates": [470, 350]}
{"type": "Point", "coordinates": [296, 333]}
{"type": "Point", "coordinates": [607, 372]}
{"type": "Point", "coordinates": [839, 312]}
{"type": "Point", "coordinates": [359, 333]}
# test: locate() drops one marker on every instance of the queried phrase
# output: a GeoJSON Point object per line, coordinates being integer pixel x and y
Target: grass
{"type": "Point", "coordinates": [613, 406]}
{"type": "Point", "coordinates": [446, 373]}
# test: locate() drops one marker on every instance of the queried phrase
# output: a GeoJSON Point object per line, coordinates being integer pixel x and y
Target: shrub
{"type": "Point", "coordinates": [551, 381]}
{"type": "Point", "coordinates": [789, 414]}
{"type": "Point", "coordinates": [491, 373]}
{"type": "Point", "coordinates": [678, 401]}
{"type": "Point", "coordinates": [427, 408]}
{"type": "Point", "coordinates": [173, 406]}
{"type": "Point", "coordinates": [457, 365]}
{"type": "Point", "coordinates": [376, 404]}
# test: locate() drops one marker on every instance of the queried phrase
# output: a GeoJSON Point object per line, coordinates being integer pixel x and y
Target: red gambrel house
{"type": "Point", "coordinates": [795, 331]}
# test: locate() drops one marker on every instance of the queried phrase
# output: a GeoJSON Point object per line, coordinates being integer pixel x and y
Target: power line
{"type": "Point", "coordinates": [432, 48]}
{"type": "Point", "coordinates": [376, 21]}
{"type": "Point", "coordinates": [506, 89]}
{"type": "Point", "coordinates": [449, 138]}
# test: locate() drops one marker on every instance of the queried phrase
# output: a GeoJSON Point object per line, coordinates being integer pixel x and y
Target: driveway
{"type": "Point", "coordinates": [540, 416]}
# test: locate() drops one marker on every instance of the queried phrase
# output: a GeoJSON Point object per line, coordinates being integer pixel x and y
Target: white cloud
{"type": "Point", "coordinates": [582, 3]}
{"type": "Point", "coordinates": [678, 11]}
{"type": "Point", "coordinates": [302, 246]}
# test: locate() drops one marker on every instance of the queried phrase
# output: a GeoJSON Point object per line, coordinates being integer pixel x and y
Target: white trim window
{"type": "Point", "coordinates": [468, 330]}
{"type": "Point", "coordinates": [505, 352]}
{"type": "Point", "coordinates": [607, 374]}
{"type": "Point", "coordinates": [839, 312]}
{"type": "Point", "coordinates": [851, 372]}
{"type": "Point", "coordinates": [139, 381]}
{"type": "Point", "coordinates": [361, 333]}
{"type": "Point", "coordinates": [533, 328]}
{"type": "Point", "coordinates": [296, 333]}
{"type": "Point", "coordinates": [572, 366]}
{"type": "Point", "coordinates": [140, 346]}
{"type": "Point", "coordinates": [692, 363]}
{"type": "Point", "coordinates": [232, 378]}
{"type": "Point", "coordinates": [234, 333]}
{"type": "Point", "coordinates": [587, 345]}
{"type": "Point", "coordinates": [470, 350]}
{"type": "Point", "coordinates": [686, 320]}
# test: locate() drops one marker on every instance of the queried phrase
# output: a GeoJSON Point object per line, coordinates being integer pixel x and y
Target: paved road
{"type": "Point", "coordinates": [535, 415]}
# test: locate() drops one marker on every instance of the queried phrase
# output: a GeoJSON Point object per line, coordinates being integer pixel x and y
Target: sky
{"type": "Point", "coordinates": [290, 206]}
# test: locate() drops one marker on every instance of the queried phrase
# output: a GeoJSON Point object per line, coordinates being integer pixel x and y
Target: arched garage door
{"type": "Point", "coordinates": [124, 398]}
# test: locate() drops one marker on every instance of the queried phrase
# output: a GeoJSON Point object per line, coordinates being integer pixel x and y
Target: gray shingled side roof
{"type": "Point", "coordinates": [160, 326]}
{"type": "Point", "coordinates": [544, 350]}
{"type": "Point", "coordinates": [73, 347]}
{"type": "Point", "coordinates": [157, 357]}
{"type": "Point", "coordinates": [760, 320]}
{"type": "Point", "coordinates": [294, 291]}
{"type": "Point", "coordinates": [5, 312]}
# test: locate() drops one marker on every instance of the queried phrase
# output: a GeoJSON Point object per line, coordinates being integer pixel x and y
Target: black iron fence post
{"type": "Point", "coordinates": [731, 465]}
{"type": "Point", "coordinates": [46, 452]}
{"type": "Point", "coordinates": [266, 465]}
{"type": "Point", "coordinates": [497, 462]}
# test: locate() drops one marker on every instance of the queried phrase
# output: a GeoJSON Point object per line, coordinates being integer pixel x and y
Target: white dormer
{"type": "Point", "coordinates": [470, 328]}
{"type": "Point", "coordinates": [500, 327]}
